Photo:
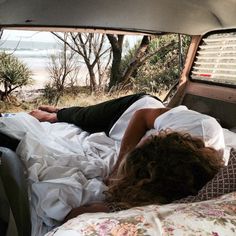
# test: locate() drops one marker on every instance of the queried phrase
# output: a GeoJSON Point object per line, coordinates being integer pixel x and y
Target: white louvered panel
{"type": "Point", "coordinates": [215, 69]}
{"type": "Point", "coordinates": [205, 73]}
{"type": "Point", "coordinates": [212, 63]}
{"type": "Point", "coordinates": [220, 39]}
{"type": "Point", "coordinates": [220, 79]}
{"type": "Point", "coordinates": [228, 51]}
{"type": "Point", "coordinates": [216, 59]}
{"type": "Point", "coordinates": [216, 46]}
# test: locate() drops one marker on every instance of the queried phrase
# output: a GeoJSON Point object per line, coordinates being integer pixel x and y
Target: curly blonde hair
{"type": "Point", "coordinates": [170, 166]}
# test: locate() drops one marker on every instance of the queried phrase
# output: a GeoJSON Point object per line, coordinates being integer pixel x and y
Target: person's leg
{"type": "Point", "coordinates": [99, 117]}
{"type": "Point", "coordinates": [47, 108]}
{"type": "Point", "coordinates": [44, 116]}
{"type": "Point", "coordinates": [6, 141]}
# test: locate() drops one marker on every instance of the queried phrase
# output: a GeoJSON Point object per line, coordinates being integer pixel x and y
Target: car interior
{"type": "Point", "coordinates": [207, 83]}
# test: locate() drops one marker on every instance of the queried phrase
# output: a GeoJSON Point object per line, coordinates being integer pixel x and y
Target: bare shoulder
{"type": "Point", "coordinates": [150, 114]}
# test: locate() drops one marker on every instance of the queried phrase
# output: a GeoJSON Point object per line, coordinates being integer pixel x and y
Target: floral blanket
{"type": "Point", "coordinates": [214, 217]}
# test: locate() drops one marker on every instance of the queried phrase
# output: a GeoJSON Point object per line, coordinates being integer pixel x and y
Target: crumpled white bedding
{"type": "Point", "coordinates": [65, 166]}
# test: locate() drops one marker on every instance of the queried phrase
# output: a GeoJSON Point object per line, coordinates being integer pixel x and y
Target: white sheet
{"type": "Point", "coordinates": [65, 166]}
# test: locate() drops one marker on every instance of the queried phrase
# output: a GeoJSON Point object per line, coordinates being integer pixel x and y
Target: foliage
{"type": "Point", "coordinates": [63, 70]}
{"type": "Point", "coordinates": [127, 58]}
{"type": "Point", "coordinates": [50, 93]}
{"type": "Point", "coordinates": [93, 50]}
{"type": "Point", "coordinates": [132, 60]}
{"type": "Point", "coordinates": [13, 74]}
{"type": "Point", "coordinates": [151, 65]}
{"type": "Point", "coordinates": [161, 71]}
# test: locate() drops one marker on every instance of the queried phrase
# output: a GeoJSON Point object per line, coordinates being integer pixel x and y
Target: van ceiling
{"type": "Point", "coordinates": [194, 17]}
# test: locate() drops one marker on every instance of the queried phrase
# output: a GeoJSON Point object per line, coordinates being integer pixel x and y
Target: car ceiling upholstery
{"type": "Point", "coordinates": [194, 17]}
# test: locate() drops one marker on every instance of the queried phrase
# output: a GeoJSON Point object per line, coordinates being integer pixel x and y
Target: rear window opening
{"type": "Point", "coordinates": [65, 63]}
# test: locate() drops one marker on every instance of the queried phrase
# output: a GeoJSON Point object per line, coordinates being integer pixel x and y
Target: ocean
{"type": "Point", "coordinates": [36, 55]}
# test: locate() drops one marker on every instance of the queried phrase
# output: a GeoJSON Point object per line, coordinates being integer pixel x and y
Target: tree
{"type": "Point", "coordinates": [63, 70]}
{"type": "Point", "coordinates": [121, 72]}
{"type": "Point", "coordinates": [161, 69]}
{"type": "Point", "coordinates": [116, 42]}
{"type": "Point", "coordinates": [138, 59]}
{"type": "Point", "coordinates": [127, 68]}
{"type": "Point", "coordinates": [93, 49]}
{"type": "Point", "coordinates": [13, 74]}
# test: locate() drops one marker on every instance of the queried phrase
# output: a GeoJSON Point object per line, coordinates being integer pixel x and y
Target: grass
{"type": "Point", "coordinates": [80, 99]}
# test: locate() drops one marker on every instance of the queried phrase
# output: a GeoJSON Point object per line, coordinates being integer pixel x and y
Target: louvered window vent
{"type": "Point", "coordinates": [216, 59]}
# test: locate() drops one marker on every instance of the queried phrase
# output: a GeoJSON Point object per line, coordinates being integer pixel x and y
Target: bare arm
{"type": "Point", "coordinates": [140, 123]}
{"type": "Point", "coordinates": [92, 208]}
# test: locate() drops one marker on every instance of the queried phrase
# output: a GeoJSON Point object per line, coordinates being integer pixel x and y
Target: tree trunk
{"type": "Point", "coordinates": [117, 46]}
{"type": "Point", "coordinates": [137, 60]}
{"type": "Point", "coordinates": [92, 77]}
{"type": "Point", "coordinates": [91, 48]}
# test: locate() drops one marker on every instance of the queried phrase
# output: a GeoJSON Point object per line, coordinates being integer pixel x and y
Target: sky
{"type": "Point", "coordinates": [28, 36]}
{"type": "Point", "coordinates": [37, 36]}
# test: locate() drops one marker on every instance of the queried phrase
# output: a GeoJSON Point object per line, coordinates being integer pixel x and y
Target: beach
{"type": "Point", "coordinates": [40, 73]}
{"type": "Point", "coordinates": [36, 54]}
{"type": "Point", "coordinates": [38, 61]}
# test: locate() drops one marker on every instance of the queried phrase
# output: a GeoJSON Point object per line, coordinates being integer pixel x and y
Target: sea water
{"type": "Point", "coordinates": [35, 55]}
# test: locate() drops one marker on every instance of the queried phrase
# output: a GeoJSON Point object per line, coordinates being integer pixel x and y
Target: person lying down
{"type": "Point", "coordinates": [165, 154]}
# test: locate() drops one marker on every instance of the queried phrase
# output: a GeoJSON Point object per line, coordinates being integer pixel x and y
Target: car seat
{"type": "Point", "coordinates": [14, 202]}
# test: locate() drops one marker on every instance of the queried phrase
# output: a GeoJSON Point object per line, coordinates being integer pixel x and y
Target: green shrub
{"type": "Point", "coordinates": [162, 69]}
{"type": "Point", "coordinates": [13, 74]}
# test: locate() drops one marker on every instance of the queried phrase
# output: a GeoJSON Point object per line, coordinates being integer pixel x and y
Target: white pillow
{"type": "Point", "coordinates": [230, 138]}
{"type": "Point", "coordinates": [181, 119]}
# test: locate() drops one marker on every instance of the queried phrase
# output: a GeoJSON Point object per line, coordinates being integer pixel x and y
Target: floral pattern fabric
{"type": "Point", "coordinates": [215, 217]}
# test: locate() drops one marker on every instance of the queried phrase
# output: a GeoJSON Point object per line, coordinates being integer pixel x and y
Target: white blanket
{"type": "Point", "coordinates": [65, 166]}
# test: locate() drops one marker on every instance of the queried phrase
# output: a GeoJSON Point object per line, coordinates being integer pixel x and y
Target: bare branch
{"type": "Point", "coordinates": [67, 43]}
{"type": "Point", "coordinates": [141, 56]}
